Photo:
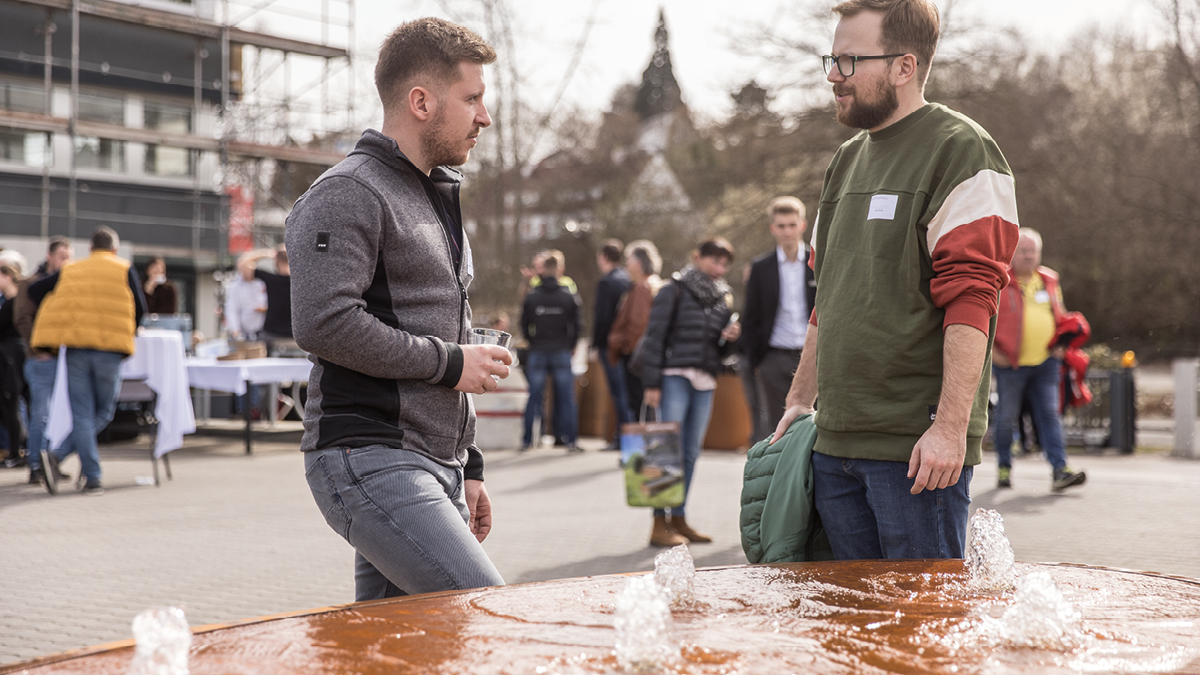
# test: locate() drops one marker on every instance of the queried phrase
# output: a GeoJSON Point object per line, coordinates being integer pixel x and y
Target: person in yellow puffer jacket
{"type": "Point", "coordinates": [92, 307]}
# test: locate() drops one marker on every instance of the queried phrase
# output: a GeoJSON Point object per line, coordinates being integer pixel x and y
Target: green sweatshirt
{"type": "Point", "coordinates": [916, 228]}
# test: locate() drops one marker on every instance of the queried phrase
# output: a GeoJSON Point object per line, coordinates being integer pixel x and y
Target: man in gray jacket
{"type": "Point", "coordinates": [380, 268]}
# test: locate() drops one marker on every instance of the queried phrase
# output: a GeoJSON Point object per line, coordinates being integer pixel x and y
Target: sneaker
{"type": "Point", "coordinates": [1065, 478]}
{"type": "Point", "coordinates": [572, 448]}
{"type": "Point", "coordinates": [35, 476]}
{"type": "Point", "coordinates": [1004, 479]}
{"type": "Point", "coordinates": [93, 488]}
{"type": "Point", "coordinates": [50, 471]}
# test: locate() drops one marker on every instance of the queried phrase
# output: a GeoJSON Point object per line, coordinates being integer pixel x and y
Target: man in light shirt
{"type": "Point", "coordinates": [779, 299]}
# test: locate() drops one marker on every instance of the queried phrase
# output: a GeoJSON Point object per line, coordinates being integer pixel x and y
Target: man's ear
{"type": "Point", "coordinates": [420, 103]}
{"type": "Point", "coordinates": [907, 70]}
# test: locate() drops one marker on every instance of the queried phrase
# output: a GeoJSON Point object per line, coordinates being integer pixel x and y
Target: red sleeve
{"type": "Point", "coordinates": [970, 266]}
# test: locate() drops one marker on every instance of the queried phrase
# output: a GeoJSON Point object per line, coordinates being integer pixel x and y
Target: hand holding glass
{"type": "Point", "coordinates": [487, 336]}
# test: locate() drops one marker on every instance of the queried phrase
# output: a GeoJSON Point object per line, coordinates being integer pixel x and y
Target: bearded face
{"type": "Point", "coordinates": [868, 104]}
{"type": "Point", "coordinates": [441, 145]}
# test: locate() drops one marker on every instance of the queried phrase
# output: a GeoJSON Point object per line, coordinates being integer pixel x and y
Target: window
{"type": "Point", "coordinates": [99, 153]}
{"type": "Point", "coordinates": [102, 108]}
{"type": "Point", "coordinates": [23, 147]}
{"type": "Point", "coordinates": [22, 97]}
{"type": "Point", "coordinates": [161, 160]}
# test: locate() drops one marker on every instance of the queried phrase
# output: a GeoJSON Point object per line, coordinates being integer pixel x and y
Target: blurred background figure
{"type": "Point", "coordinates": [1027, 361]}
{"type": "Point", "coordinates": [277, 323]}
{"type": "Point", "coordinates": [245, 307]}
{"type": "Point", "coordinates": [643, 265]}
{"type": "Point", "coordinates": [779, 298]}
{"type": "Point", "coordinates": [689, 335]}
{"type": "Point", "coordinates": [161, 295]}
{"type": "Point", "coordinates": [613, 284]}
{"type": "Point", "coordinates": [12, 364]}
{"type": "Point", "coordinates": [551, 321]}
{"type": "Point", "coordinates": [39, 363]}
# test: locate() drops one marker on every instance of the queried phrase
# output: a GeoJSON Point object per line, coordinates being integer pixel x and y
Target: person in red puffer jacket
{"type": "Point", "coordinates": [1027, 360]}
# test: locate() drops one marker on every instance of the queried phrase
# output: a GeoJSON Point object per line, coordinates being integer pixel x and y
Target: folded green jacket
{"type": "Point", "coordinates": [778, 520]}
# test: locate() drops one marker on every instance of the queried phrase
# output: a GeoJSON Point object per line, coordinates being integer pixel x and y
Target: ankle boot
{"type": "Point", "coordinates": [679, 525]}
{"type": "Point", "coordinates": [662, 535]}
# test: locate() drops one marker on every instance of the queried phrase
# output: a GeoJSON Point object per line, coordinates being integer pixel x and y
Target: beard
{"type": "Point", "coordinates": [439, 145]}
{"type": "Point", "coordinates": [863, 113]}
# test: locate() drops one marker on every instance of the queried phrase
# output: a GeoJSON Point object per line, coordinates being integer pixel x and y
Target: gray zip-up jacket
{"type": "Point", "coordinates": [379, 300]}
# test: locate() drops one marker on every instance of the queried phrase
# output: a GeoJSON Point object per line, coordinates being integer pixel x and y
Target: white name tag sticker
{"type": "Point", "coordinates": [1041, 297]}
{"type": "Point", "coordinates": [883, 207]}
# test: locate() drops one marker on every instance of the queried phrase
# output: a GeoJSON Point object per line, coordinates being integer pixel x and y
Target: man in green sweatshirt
{"type": "Point", "coordinates": [916, 227]}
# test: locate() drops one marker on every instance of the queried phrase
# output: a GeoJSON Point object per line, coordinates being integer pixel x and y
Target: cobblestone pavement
{"type": "Point", "coordinates": [236, 536]}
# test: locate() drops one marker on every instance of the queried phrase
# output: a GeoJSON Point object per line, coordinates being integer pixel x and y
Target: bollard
{"type": "Point", "coordinates": [1185, 371]}
{"type": "Point", "coordinates": [1123, 413]}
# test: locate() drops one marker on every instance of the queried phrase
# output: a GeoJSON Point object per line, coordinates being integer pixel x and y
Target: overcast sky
{"type": "Point", "coordinates": [621, 41]}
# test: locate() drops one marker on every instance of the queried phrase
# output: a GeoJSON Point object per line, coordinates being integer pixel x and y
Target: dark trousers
{"type": "Point", "coordinates": [774, 378]}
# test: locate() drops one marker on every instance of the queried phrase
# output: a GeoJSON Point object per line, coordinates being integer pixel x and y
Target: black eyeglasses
{"type": "Point", "coordinates": [828, 60]}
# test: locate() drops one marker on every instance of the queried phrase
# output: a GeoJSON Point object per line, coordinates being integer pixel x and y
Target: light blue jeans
{"type": "Point", "coordinates": [39, 375]}
{"type": "Point", "coordinates": [868, 512]}
{"type": "Point", "coordinates": [93, 380]}
{"type": "Point", "coordinates": [406, 517]}
{"type": "Point", "coordinates": [1041, 386]}
{"type": "Point", "coordinates": [683, 403]}
{"type": "Point", "coordinates": [555, 366]}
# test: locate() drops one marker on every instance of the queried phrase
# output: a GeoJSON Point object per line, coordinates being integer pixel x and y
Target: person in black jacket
{"type": "Point", "coordinates": [779, 299]}
{"type": "Point", "coordinates": [613, 285]}
{"type": "Point", "coordinates": [550, 320]}
{"type": "Point", "coordinates": [689, 334]}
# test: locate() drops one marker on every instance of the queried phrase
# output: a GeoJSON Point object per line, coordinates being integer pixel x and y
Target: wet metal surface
{"type": "Point", "coordinates": [848, 617]}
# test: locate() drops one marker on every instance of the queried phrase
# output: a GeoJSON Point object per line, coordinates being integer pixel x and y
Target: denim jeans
{"type": "Point", "coordinates": [691, 408]}
{"type": "Point", "coordinates": [1040, 384]}
{"type": "Point", "coordinates": [406, 517]}
{"type": "Point", "coordinates": [93, 380]}
{"type": "Point", "coordinates": [555, 366]}
{"type": "Point", "coordinates": [618, 391]}
{"type": "Point", "coordinates": [868, 512]}
{"type": "Point", "coordinates": [39, 375]}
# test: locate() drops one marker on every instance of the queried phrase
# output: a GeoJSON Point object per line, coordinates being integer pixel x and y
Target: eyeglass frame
{"type": "Point", "coordinates": [827, 61]}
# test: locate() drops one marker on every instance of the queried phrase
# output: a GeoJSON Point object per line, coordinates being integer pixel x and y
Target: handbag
{"type": "Point", "coordinates": [637, 360]}
{"type": "Point", "coordinates": [652, 459]}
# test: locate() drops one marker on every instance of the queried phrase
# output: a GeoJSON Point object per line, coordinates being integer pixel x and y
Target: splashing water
{"type": "Point", "coordinates": [643, 624]}
{"type": "Point", "coordinates": [675, 571]}
{"type": "Point", "coordinates": [990, 560]}
{"type": "Point", "coordinates": [163, 640]}
{"type": "Point", "coordinates": [1041, 616]}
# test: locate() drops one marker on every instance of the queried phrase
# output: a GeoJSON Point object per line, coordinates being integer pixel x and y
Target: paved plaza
{"type": "Point", "coordinates": [236, 536]}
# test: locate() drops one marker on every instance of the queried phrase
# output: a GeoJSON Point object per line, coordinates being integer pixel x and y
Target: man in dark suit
{"type": "Point", "coordinates": [614, 282]}
{"type": "Point", "coordinates": [779, 298]}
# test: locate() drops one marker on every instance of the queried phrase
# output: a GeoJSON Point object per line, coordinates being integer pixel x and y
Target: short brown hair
{"type": "Point", "coordinates": [104, 239]}
{"type": "Point", "coordinates": [611, 250]}
{"type": "Point", "coordinates": [428, 48]}
{"type": "Point", "coordinates": [717, 247]}
{"type": "Point", "coordinates": [909, 26]}
{"type": "Point", "coordinates": [57, 242]}
{"type": "Point", "coordinates": [785, 205]}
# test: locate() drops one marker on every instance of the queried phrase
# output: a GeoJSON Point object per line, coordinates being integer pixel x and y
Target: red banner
{"type": "Point", "coordinates": [241, 219]}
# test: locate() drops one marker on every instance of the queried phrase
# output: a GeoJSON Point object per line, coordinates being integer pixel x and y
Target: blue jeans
{"type": "Point", "coordinates": [39, 375]}
{"type": "Point", "coordinates": [691, 408]}
{"type": "Point", "coordinates": [618, 390]}
{"type": "Point", "coordinates": [1040, 384]}
{"type": "Point", "coordinates": [555, 366]}
{"type": "Point", "coordinates": [406, 517]}
{"type": "Point", "coordinates": [93, 380]}
{"type": "Point", "coordinates": [868, 512]}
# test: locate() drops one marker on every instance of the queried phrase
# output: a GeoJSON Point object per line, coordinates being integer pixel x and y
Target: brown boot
{"type": "Point", "coordinates": [662, 535]}
{"type": "Point", "coordinates": [679, 525]}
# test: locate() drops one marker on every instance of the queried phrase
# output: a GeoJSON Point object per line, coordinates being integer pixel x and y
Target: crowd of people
{"type": "Point", "coordinates": [908, 287]}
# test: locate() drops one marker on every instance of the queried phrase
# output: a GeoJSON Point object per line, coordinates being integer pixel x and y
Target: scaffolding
{"type": "Point", "coordinates": [261, 118]}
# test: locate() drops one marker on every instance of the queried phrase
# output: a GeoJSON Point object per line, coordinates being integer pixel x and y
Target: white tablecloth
{"type": "Point", "coordinates": [231, 376]}
{"type": "Point", "coordinates": [158, 358]}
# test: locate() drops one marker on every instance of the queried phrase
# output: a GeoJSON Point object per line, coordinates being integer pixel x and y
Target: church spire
{"type": "Point", "coordinates": [659, 91]}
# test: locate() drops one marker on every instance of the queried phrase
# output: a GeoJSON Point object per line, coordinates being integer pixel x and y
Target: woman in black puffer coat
{"type": "Point", "coordinates": [689, 334]}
